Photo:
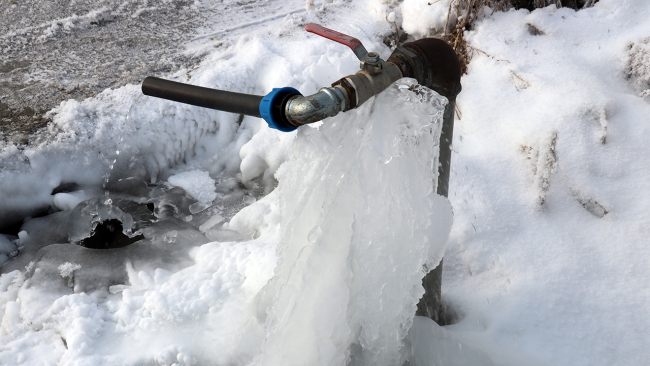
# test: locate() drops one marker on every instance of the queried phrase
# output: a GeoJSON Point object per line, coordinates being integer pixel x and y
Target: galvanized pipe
{"type": "Point", "coordinates": [328, 102]}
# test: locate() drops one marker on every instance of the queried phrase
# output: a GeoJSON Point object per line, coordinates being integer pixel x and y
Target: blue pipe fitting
{"type": "Point", "coordinates": [272, 108]}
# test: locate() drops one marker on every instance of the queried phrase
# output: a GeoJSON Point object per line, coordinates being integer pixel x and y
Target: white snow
{"type": "Point", "coordinates": [315, 241]}
{"type": "Point", "coordinates": [547, 243]}
{"type": "Point", "coordinates": [67, 269]}
{"type": "Point", "coordinates": [423, 18]}
{"type": "Point", "coordinates": [196, 183]}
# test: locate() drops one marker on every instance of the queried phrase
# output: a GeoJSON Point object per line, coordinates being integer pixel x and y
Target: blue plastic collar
{"type": "Point", "coordinates": [267, 103]}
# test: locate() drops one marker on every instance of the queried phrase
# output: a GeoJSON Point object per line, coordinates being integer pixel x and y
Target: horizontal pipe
{"type": "Point", "coordinates": [203, 97]}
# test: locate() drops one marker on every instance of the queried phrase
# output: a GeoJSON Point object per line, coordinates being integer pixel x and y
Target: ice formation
{"type": "Point", "coordinates": [7, 250]}
{"type": "Point", "coordinates": [342, 214]}
{"type": "Point", "coordinates": [360, 218]}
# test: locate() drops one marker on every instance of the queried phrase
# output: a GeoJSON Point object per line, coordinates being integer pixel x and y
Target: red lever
{"type": "Point", "coordinates": [354, 44]}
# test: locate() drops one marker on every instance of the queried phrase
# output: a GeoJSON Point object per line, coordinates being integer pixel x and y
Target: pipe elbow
{"type": "Point", "coordinates": [328, 102]}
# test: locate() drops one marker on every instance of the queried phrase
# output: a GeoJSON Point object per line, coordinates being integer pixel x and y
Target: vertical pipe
{"type": "Point", "coordinates": [430, 304]}
{"type": "Point", "coordinates": [446, 137]}
{"type": "Point", "coordinates": [434, 63]}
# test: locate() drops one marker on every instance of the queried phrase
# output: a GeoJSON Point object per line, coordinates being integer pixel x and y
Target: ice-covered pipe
{"type": "Point", "coordinates": [434, 64]}
{"type": "Point", "coordinates": [431, 61]}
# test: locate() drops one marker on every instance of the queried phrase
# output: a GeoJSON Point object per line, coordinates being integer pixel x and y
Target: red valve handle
{"type": "Point", "coordinates": [354, 44]}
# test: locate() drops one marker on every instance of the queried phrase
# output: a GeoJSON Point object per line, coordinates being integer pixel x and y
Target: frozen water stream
{"type": "Point", "coordinates": [357, 228]}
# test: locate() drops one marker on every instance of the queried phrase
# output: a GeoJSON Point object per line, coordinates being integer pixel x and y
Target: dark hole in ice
{"type": "Point", "coordinates": [151, 206]}
{"type": "Point", "coordinates": [12, 228]}
{"type": "Point", "coordinates": [108, 235]}
{"type": "Point", "coordinates": [66, 188]}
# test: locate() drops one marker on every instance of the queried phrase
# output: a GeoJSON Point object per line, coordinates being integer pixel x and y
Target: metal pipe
{"type": "Point", "coordinates": [367, 82]}
{"type": "Point", "coordinates": [345, 94]}
{"type": "Point", "coordinates": [434, 64]}
{"type": "Point", "coordinates": [203, 97]}
{"type": "Point", "coordinates": [430, 304]}
{"type": "Point", "coordinates": [328, 102]}
{"type": "Point", "coordinates": [286, 109]}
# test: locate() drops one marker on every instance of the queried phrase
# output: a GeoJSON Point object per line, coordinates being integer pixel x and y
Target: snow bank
{"type": "Point", "coordinates": [549, 187]}
{"type": "Point", "coordinates": [424, 18]}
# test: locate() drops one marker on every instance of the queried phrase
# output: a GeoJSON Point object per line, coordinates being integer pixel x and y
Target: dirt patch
{"type": "Point", "coordinates": [17, 125]}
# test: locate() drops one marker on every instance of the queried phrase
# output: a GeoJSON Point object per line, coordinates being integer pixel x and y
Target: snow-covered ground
{"type": "Point", "coordinates": [256, 247]}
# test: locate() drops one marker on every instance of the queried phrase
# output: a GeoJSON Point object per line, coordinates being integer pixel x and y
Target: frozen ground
{"type": "Point", "coordinates": [250, 246]}
{"type": "Point", "coordinates": [57, 50]}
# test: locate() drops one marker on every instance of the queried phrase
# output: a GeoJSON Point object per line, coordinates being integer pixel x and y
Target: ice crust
{"type": "Point", "coordinates": [431, 345]}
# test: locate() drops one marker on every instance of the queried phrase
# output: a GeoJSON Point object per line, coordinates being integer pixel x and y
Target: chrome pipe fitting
{"type": "Point", "coordinates": [328, 102]}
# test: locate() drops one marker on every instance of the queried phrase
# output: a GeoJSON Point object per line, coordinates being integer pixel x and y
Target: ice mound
{"type": "Point", "coordinates": [117, 135]}
{"type": "Point", "coordinates": [68, 200]}
{"type": "Point", "coordinates": [147, 223]}
{"type": "Point", "coordinates": [360, 218]}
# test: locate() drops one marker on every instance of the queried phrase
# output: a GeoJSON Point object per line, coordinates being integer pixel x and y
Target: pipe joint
{"type": "Point", "coordinates": [432, 62]}
{"type": "Point", "coordinates": [366, 84]}
{"type": "Point", "coordinates": [327, 102]}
